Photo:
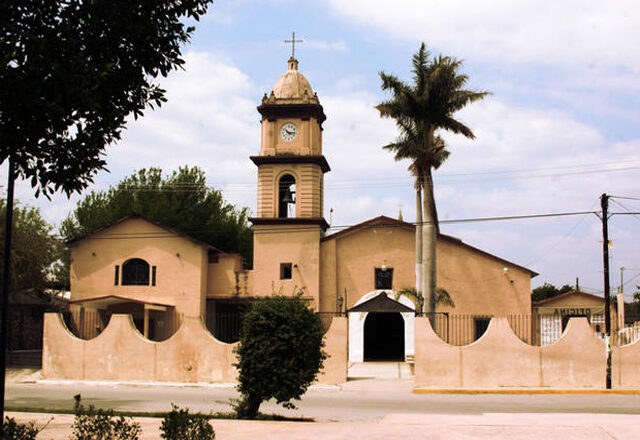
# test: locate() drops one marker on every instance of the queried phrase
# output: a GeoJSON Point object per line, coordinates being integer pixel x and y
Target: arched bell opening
{"type": "Point", "coordinates": [384, 337]}
{"type": "Point", "coordinates": [286, 196]}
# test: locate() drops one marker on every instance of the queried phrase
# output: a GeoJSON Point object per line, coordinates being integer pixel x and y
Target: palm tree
{"type": "Point", "coordinates": [419, 110]}
{"type": "Point", "coordinates": [442, 297]}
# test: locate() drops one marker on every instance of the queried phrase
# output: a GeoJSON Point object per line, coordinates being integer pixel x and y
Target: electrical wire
{"type": "Point", "coordinates": [555, 245]}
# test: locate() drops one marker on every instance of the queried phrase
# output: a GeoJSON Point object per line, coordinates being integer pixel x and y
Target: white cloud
{"type": "Point", "coordinates": [591, 33]}
{"type": "Point", "coordinates": [332, 46]}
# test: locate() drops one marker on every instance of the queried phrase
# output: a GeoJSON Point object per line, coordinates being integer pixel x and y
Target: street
{"type": "Point", "coordinates": [366, 400]}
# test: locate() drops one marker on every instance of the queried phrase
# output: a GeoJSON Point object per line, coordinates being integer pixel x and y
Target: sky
{"type": "Point", "coordinates": [560, 128]}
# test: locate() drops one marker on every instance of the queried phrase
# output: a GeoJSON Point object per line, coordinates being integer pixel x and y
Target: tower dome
{"type": "Point", "coordinates": [292, 84]}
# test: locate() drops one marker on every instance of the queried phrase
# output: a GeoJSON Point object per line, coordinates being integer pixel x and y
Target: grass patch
{"type": "Point", "coordinates": [163, 414]}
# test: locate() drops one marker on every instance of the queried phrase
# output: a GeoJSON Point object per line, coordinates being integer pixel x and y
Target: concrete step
{"type": "Point", "coordinates": [380, 370]}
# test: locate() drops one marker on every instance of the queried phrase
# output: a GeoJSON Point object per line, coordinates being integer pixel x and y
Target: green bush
{"type": "Point", "coordinates": [279, 354]}
{"type": "Point", "coordinates": [180, 425]}
{"type": "Point", "coordinates": [99, 424]}
{"type": "Point", "coordinates": [11, 430]}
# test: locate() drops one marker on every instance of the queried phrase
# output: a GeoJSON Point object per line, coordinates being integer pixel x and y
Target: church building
{"type": "Point", "coordinates": [146, 269]}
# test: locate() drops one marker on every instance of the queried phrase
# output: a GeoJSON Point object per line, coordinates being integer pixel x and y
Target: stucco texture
{"type": "Point", "coordinates": [500, 359]}
{"type": "Point", "coordinates": [476, 281]}
{"type": "Point", "coordinates": [191, 355]}
{"type": "Point", "coordinates": [181, 265]}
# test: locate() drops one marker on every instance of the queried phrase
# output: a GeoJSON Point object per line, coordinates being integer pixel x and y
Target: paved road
{"type": "Point", "coordinates": [357, 401]}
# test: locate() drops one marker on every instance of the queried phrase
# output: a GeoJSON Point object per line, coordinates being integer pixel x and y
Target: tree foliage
{"type": "Point", "coordinates": [181, 201]}
{"type": "Point", "coordinates": [34, 248]}
{"type": "Point", "coordinates": [442, 297]}
{"type": "Point", "coordinates": [548, 290]}
{"type": "Point", "coordinates": [71, 73]}
{"type": "Point", "coordinates": [279, 354]}
{"type": "Point", "coordinates": [419, 109]}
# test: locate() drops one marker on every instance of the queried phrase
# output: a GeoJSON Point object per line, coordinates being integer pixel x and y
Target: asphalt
{"type": "Point", "coordinates": [490, 425]}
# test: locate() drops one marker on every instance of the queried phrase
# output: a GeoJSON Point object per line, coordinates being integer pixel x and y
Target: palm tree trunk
{"type": "Point", "coordinates": [419, 241]}
{"type": "Point", "coordinates": [429, 237]}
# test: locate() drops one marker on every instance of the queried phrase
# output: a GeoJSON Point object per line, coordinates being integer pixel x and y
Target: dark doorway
{"type": "Point", "coordinates": [384, 337]}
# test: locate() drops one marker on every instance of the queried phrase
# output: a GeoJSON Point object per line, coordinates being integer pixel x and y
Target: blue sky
{"type": "Point", "coordinates": [561, 127]}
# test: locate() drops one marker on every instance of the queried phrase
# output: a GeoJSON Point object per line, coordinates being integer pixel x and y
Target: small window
{"type": "Point", "coordinates": [153, 276]}
{"type": "Point", "coordinates": [285, 271]}
{"type": "Point", "coordinates": [384, 278]}
{"type": "Point", "coordinates": [214, 257]}
{"type": "Point", "coordinates": [135, 272]}
{"type": "Point", "coordinates": [116, 280]}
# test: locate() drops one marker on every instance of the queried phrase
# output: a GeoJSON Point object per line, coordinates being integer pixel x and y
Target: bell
{"type": "Point", "coordinates": [287, 197]}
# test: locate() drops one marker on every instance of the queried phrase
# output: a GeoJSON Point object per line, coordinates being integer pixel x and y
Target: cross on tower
{"type": "Point", "coordinates": [293, 42]}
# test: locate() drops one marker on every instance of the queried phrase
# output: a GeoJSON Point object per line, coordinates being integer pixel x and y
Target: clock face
{"type": "Point", "coordinates": [288, 132]}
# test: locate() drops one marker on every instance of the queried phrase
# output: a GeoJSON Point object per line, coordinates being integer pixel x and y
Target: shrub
{"type": "Point", "coordinates": [279, 354]}
{"type": "Point", "coordinates": [99, 424]}
{"type": "Point", "coordinates": [180, 425]}
{"type": "Point", "coordinates": [11, 430]}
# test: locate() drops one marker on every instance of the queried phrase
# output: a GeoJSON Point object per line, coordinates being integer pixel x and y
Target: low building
{"type": "Point", "coordinates": [551, 315]}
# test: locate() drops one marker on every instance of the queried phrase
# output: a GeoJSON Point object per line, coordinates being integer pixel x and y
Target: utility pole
{"type": "Point", "coordinates": [621, 300]}
{"type": "Point", "coordinates": [604, 203]}
{"type": "Point", "coordinates": [4, 295]}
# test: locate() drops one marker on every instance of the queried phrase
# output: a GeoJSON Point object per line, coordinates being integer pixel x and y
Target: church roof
{"type": "Point", "coordinates": [292, 84]}
{"type": "Point", "coordinates": [381, 303]}
{"type": "Point", "coordinates": [576, 293]}
{"type": "Point", "coordinates": [140, 216]}
{"type": "Point", "coordinates": [384, 221]}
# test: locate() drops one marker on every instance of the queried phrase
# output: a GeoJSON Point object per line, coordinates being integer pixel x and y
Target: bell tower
{"type": "Point", "coordinates": [289, 222]}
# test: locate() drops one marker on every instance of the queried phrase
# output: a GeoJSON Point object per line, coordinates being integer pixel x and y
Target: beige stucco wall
{"type": "Point", "coordinates": [626, 362]}
{"type": "Point", "coordinates": [224, 277]}
{"type": "Point", "coordinates": [181, 277]}
{"type": "Point", "coordinates": [334, 371]}
{"type": "Point", "coordinates": [500, 359]}
{"type": "Point", "coordinates": [296, 244]}
{"type": "Point", "coordinates": [120, 353]}
{"type": "Point", "coordinates": [192, 354]}
{"type": "Point", "coordinates": [476, 281]}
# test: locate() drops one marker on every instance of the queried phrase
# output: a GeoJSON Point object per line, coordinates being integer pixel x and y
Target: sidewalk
{"type": "Point", "coordinates": [414, 426]}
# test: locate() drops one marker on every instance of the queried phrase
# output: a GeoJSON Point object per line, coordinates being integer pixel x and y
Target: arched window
{"type": "Point", "coordinates": [135, 272]}
{"type": "Point", "coordinates": [286, 196]}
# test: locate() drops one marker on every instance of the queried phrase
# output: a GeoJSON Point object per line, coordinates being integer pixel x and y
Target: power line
{"type": "Point", "coordinates": [390, 181]}
{"type": "Point", "coordinates": [276, 229]}
{"type": "Point", "coordinates": [555, 245]}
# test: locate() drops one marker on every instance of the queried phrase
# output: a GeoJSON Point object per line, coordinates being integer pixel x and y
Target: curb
{"type": "Point", "coordinates": [525, 391]}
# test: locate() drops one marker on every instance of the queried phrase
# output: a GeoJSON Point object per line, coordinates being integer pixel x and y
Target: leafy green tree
{"type": "Point", "coordinates": [548, 290]}
{"type": "Point", "coordinates": [419, 110]}
{"type": "Point", "coordinates": [279, 354]}
{"type": "Point", "coordinates": [71, 73]}
{"type": "Point", "coordinates": [181, 201]}
{"type": "Point", "coordinates": [35, 248]}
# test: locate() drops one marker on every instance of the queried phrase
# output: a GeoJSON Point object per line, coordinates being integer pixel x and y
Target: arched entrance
{"type": "Point", "coordinates": [384, 337]}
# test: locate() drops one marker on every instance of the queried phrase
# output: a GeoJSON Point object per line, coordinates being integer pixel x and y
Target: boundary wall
{"type": "Point", "coordinates": [500, 359]}
{"type": "Point", "coordinates": [191, 355]}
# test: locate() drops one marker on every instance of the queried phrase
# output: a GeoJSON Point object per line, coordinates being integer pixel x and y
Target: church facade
{"type": "Point", "coordinates": [139, 267]}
